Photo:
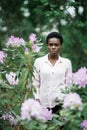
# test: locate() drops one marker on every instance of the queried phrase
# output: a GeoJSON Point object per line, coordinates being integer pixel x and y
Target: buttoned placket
{"type": "Point", "coordinates": [52, 74]}
{"type": "Point", "coordinates": [52, 83]}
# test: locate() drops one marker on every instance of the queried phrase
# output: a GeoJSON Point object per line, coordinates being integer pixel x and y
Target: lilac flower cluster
{"type": "Point", "coordinates": [36, 48]}
{"type": "Point", "coordinates": [26, 50]}
{"type": "Point", "coordinates": [33, 109]}
{"type": "Point", "coordinates": [11, 78]}
{"type": "Point", "coordinates": [73, 101]}
{"type": "Point", "coordinates": [2, 56]}
{"type": "Point", "coordinates": [10, 118]}
{"type": "Point", "coordinates": [15, 41]}
{"type": "Point", "coordinates": [32, 39]}
{"type": "Point", "coordinates": [80, 77]}
{"type": "Point", "coordinates": [84, 125]}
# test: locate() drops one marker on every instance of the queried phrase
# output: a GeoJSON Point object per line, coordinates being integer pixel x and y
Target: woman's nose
{"type": "Point", "coordinates": [53, 46]}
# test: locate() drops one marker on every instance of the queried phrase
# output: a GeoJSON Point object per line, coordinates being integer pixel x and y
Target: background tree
{"type": "Point", "coordinates": [22, 17]}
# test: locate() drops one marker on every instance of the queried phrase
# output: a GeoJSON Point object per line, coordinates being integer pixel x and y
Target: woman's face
{"type": "Point", "coordinates": [54, 46]}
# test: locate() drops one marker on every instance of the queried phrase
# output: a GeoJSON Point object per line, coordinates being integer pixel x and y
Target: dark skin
{"type": "Point", "coordinates": [54, 46]}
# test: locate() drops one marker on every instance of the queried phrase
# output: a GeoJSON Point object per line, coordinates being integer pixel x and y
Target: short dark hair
{"type": "Point", "coordinates": [56, 35]}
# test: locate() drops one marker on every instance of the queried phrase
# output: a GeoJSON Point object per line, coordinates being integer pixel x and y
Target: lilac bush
{"type": "Point", "coordinates": [16, 60]}
{"type": "Point", "coordinates": [74, 107]}
{"type": "Point", "coordinates": [17, 104]}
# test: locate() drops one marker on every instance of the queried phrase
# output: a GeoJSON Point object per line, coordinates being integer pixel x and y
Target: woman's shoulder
{"type": "Point", "coordinates": [40, 59]}
{"type": "Point", "coordinates": [65, 59]}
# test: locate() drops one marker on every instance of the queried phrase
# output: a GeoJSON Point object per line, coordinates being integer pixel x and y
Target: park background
{"type": "Point", "coordinates": [21, 18]}
{"type": "Point", "coordinates": [69, 17]}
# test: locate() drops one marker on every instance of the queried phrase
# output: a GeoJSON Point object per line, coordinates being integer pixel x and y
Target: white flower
{"type": "Point", "coordinates": [11, 78]}
{"type": "Point", "coordinates": [2, 56]}
{"type": "Point", "coordinates": [73, 101]}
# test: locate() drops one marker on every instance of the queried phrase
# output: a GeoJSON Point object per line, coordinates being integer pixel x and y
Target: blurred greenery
{"type": "Point", "coordinates": [22, 17]}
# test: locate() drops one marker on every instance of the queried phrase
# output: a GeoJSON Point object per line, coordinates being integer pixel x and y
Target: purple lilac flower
{"type": "Point", "coordinates": [80, 77]}
{"type": "Point", "coordinates": [32, 37]}
{"type": "Point", "coordinates": [2, 56]}
{"type": "Point", "coordinates": [10, 118]}
{"type": "Point", "coordinates": [33, 109]}
{"type": "Point", "coordinates": [35, 48]}
{"type": "Point", "coordinates": [73, 101]}
{"type": "Point", "coordinates": [26, 51]}
{"type": "Point", "coordinates": [11, 78]}
{"type": "Point", "coordinates": [69, 78]}
{"type": "Point", "coordinates": [46, 115]}
{"type": "Point", "coordinates": [15, 41]}
{"type": "Point", "coordinates": [84, 125]}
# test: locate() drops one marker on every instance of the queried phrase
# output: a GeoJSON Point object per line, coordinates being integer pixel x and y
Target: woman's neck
{"type": "Point", "coordinates": [52, 58]}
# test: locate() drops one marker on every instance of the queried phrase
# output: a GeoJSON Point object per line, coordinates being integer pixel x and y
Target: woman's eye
{"type": "Point", "coordinates": [53, 45]}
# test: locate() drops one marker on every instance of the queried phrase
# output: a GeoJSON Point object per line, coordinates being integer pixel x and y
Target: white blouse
{"type": "Point", "coordinates": [49, 80]}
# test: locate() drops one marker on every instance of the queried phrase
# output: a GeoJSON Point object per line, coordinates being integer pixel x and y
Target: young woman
{"type": "Point", "coordinates": [50, 73]}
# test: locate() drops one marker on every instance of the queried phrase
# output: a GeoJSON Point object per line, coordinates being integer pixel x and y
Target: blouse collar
{"type": "Point", "coordinates": [60, 60]}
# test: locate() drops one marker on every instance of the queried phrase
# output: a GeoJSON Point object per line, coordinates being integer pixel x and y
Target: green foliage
{"type": "Point", "coordinates": [44, 16]}
{"type": "Point", "coordinates": [73, 118]}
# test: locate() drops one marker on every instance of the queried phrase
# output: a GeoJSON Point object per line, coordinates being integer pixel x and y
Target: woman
{"type": "Point", "coordinates": [50, 73]}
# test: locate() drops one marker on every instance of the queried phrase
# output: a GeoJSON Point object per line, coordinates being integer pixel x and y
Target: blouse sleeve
{"type": "Point", "coordinates": [36, 80]}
